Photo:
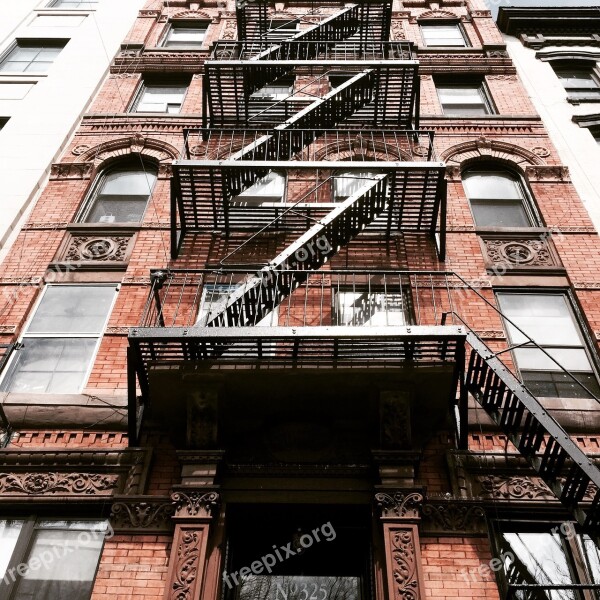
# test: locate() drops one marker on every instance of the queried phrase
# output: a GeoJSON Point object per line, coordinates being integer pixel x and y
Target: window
{"type": "Point", "coordinates": [348, 183]}
{"type": "Point", "coordinates": [281, 29]}
{"type": "Point", "coordinates": [61, 558]}
{"type": "Point", "coordinates": [581, 81]}
{"type": "Point", "coordinates": [370, 307]}
{"type": "Point", "coordinates": [59, 344]}
{"type": "Point", "coordinates": [120, 196]}
{"type": "Point", "coordinates": [545, 556]}
{"type": "Point", "coordinates": [278, 90]}
{"type": "Point", "coordinates": [216, 296]}
{"type": "Point", "coordinates": [31, 56]}
{"type": "Point", "coordinates": [185, 35]}
{"type": "Point", "coordinates": [268, 189]}
{"type": "Point", "coordinates": [468, 100]}
{"type": "Point", "coordinates": [549, 320]}
{"type": "Point", "coordinates": [74, 4]}
{"type": "Point", "coordinates": [160, 98]}
{"type": "Point", "coordinates": [497, 198]}
{"type": "Point", "coordinates": [443, 35]}
{"type": "Point", "coordinates": [330, 545]}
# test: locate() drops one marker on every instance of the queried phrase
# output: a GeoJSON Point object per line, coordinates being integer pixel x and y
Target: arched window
{"type": "Point", "coordinates": [497, 197]}
{"type": "Point", "coordinates": [120, 195]}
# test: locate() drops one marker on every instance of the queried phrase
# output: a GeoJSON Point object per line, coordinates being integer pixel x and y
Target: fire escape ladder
{"type": "Point", "coordinates": [257, 297]}
{"type": "Point", "coordinates": [323, 113]}
{"type": "Point", "coordinates": [336, 28]}
{"type": "Point", "coordinates": [366, 21]}
{"type": "Point", "coordinates": [560, 463]}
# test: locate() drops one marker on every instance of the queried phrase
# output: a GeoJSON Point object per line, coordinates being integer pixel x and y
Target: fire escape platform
{"type": "Point", "coordinates": [203, 200]}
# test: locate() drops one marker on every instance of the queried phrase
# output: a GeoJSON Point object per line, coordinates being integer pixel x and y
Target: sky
{"type": "Point", "coordinates": [495, 4]}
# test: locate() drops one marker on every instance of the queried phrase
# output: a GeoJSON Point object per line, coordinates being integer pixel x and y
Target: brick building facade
{"type": "Point", "coordinates": [264, 320]}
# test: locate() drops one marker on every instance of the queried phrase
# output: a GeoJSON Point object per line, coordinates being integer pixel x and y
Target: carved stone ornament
{"type": "Point", "coordinates": [404, 567]}
{"type": "Point", "coordinates": [522, 252]}
{"type": "Point", "coordinates": [229, 31]}
{"type": "Point", "coordinates": [70, 171]}
{"type": "Point", "coordinates": [452, 518]}
{"type": "Point", "coordinates": [398, 32]}
{"type": "Point", "coordinates": [547, 173]}
{"type": "Point", "coordinates": [82, 473]}
{"type": "Point", "coordinates": [185, 569]}
{"type": "Point", "coordinates": [399, 505]}
{"type": "Point", "coordinates": [96, 247]}
{"type": "Point", "coordinates": [142, 514]}
{"type": "Point", "coordinates": [57, 483]}
{"type": "Point", "coordinates": [80, 149]}
{"type": "Point", "coordinates": [195, 504]}
{"type": "Point", "coordinates": [513, 487]}
{"type": "Point", "coordinates": [541, 151]}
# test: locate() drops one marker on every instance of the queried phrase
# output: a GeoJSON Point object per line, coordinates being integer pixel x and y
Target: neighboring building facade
{"type": "Point", "coordinates": [556, 52]}
{"type": "Point", "coordinates": [53, 56]}
{"type": "Point", "coordinates": [258, 330]}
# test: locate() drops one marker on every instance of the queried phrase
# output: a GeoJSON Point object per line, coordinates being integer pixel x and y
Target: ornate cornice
{"type": "Point", "coordinates": [78, 473]}
{"type": "Point", "coordinates": [53, 483]}
{"type": "Point", "coordinates": [195, 504]}
{"type": "Point", "coordinates": [70, 171]}
{"type": "Point", "coordinates": [399, 504]}
{"type": "Point", "coordinates": [547, 173]}
{"type": "Point", "coordinates": [142, 514]}
{"type": "Point", "coordinates": [451, 517]}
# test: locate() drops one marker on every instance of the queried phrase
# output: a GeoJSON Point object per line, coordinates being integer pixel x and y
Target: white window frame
{"type": "Point", "coordinates": [484, 95]}
{"type": "Point", "coordinates": [100, 335]}
{"type": "Point", "coordinates": [92, 197]}
{"type": "Point", "coordinates": [247, 198]}
{"type": "Point", "coordinates": [21, 552]}
{"type": "Point", "coordinates": [424, 25]}
{"type": "Point", "coordinates": [575, 320]}
{"type": "Point", "coordinates": [387, 296]}
{"type": "Point", "coordinates": [172, 25]}
{"type": "Point", "coordinates": [38, 42]}
{"type": "Point", "coordinates": [54, 5]}
{"type": "Point", "coordinates": [140, 95]}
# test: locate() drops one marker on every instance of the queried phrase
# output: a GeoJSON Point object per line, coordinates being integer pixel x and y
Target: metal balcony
{"type": "Point", "coordinates": [339, 333]}
{"type": "Point", "coordinates": [367, 20]}
{"type": "Point", "coordinates": [208, 181]}
{"type": "Point", "coordinates": [234, 92]}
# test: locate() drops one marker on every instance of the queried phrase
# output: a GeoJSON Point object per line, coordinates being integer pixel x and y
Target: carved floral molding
{"type": "Point", "coordinates": [453, 517]}
{"type": "Point", "coordinates": [195, 504]}
{"type": "Point", "coordinates": [399, 505]}
{"type": "Point", "coordinates": [142, 514]}
{"type": "Point", "coordinates": [58, 483]}
{"type": "Point", "coordinates": [518, 252]}
{"type": "Point", "coordinates": [91, 247]}
{"type": "Point", "coordinates": [42, 474]}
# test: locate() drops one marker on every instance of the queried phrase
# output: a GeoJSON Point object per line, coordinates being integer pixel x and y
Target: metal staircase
{"type": "Point", "coordinates": [256, 298]}
{"type": "Point", "coordinates": [552, 454]}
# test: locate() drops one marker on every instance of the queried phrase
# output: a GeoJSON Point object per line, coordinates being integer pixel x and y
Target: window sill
{"type": "Point", "coordinates": [584, 100]}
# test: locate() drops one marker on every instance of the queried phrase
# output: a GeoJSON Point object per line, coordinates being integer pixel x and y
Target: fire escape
{"type": "Point", "coordinates": [336, 102]}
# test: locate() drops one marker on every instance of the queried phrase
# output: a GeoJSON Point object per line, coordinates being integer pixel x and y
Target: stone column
{"type": "Point", "coordinates": [399, 512]}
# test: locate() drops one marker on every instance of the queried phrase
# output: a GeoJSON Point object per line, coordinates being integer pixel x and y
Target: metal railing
{"type": "Point", "coordinates": [288, 50]}
{"type": "Point", "coordinates": [187, 298]}
{"type": "Point", "coordinates": [311, 145]}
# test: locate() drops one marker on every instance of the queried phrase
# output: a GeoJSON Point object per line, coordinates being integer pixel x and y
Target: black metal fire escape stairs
{"type": "Point", "coordinates": [550, 451]}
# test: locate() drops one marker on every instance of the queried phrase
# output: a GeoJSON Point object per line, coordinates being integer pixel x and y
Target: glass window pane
{"type": "Point", "coordinates": [161, 98]}
{"type": "Point", "coordinates": [351, 182]}
{"type": "Point", "coordinates": [544, 317]}
{"type": "Point", "coordinates": [371, 308]}
{"type": "Point", "coordinates": [185, 36]}
{"type": "Point", "coordinates": [442, 35]}
{"type": "Point", "coordinates": [69, 574]}
{"type": "Point", "coordinates": [111, 209]}
{"type": "Point", "coordinates": [50, 365]}
{"type": "Point", "coordinates": [577, 78]}
{"type": "Point", "coordinates": [499, 214]}
{"type": "Point", "coordinates": [9, 534]}
{"type": "Point", "coordinates": [72, 309]}
{"type": "Point", "coordinates": [537, 557]}
{"type": "Point", "coordinates": [592, 556]}
{"type": "Point", "coordinates": [492, 185]}
{"type": "Point", "coordinates": [270, 188]}
{"type": "Point", "coordinates": [135, 183]}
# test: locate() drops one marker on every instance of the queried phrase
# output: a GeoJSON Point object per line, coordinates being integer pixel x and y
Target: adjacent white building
{"type": "Point", "coordinates": [53, 56]}
{"type": "Point", "coordinates": [557, 52]}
